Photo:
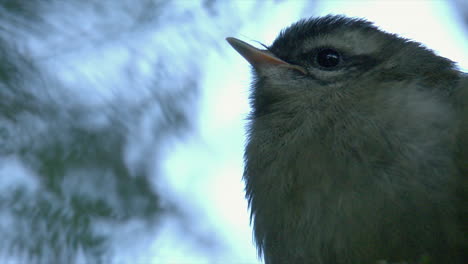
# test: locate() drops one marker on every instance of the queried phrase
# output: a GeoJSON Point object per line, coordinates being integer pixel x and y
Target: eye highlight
{"type": "Point", "coordinates": [328, 58]}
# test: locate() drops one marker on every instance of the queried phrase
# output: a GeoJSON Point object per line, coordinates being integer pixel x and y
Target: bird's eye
{"type": "Point", "coordinates": [328, 58]}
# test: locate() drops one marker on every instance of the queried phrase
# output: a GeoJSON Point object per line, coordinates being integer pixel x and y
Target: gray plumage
{"type": "Point", "coordinates": [363, 161]}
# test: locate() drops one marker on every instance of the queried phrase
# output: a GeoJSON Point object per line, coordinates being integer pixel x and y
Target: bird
{"type": "Point", "coordinates": [357, 147]}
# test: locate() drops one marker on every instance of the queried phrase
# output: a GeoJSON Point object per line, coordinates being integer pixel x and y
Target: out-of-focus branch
{"type": "Point", "coordinates": [92, 94]}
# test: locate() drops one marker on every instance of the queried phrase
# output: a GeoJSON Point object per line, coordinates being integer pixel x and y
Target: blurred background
{"type": "Point", "coordinates": [122, 122]}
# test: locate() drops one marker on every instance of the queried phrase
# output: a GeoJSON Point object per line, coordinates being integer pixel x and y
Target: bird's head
{"type": "Point", "coordinates": [334, 60]}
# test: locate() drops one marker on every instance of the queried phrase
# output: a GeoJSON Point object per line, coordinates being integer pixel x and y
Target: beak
{"type": "Point", "coordinates": [258, 58]}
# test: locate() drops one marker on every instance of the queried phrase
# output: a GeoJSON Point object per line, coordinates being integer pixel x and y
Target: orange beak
{"type": "Point", "coordinates": [257, 57]}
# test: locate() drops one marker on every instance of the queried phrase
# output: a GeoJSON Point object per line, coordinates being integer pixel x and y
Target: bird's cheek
{"type": "Point", "coordinates": [270, 72]}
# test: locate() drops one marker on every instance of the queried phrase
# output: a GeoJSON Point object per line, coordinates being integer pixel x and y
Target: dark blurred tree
{"type": "Point", "coordinates": [77, 168]}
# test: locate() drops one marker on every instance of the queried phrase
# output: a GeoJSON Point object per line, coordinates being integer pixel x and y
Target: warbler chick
{"type": "Point", "coordinates": [357, 147]}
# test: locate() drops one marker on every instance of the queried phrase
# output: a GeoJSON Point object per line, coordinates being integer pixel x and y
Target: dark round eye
{"type": "Point", "coordinates": [328, 58]}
